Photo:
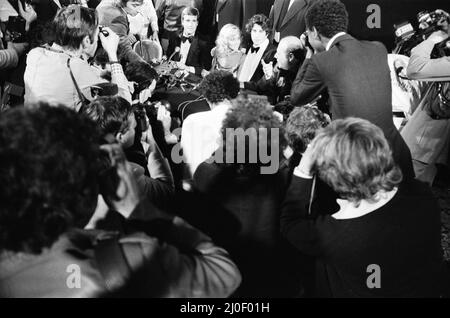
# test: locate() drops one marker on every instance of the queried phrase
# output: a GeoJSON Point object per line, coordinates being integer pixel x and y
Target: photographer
{"type": "Point", "coordinates": [54, 72]}
{"type": "Point", "coordinates": [355, 73]}
{"type": "Point", "coordinates": [433, 145]}
{"type": "Point", "coordinates": [45, 250]}
{"type": "Point", "coordinates": [144, 79]}
{"type": "Point", "coordinates": [115, 116]}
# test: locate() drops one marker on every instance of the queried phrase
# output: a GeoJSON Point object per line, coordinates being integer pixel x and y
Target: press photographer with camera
{"type": "Point", "coordinates": [46, 249]}
{"type": "Point", "coordinates": [61, 74]}
{"type": "Point", "coordinates": [17, 24]}
{"type": "Point", "coordinates": [355, 74]}
{"type": "Point", "coordinates": [117, 117]}
{"type": "Point", "coordinates": [144, 79]}
{"type": "Point", "coordinates": [431, 120]}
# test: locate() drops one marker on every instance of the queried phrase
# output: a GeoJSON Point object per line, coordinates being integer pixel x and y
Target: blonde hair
{"type": "Point", "coordinates": [353, 156]}
{"type": "Point", "coordinates": [227, 31]}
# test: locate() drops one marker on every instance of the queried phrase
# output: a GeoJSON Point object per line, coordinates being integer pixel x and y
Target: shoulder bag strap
{"type": "Point", "coordinates": [83, 99]}
{"type": "Point", "coordinates": [112, 264]}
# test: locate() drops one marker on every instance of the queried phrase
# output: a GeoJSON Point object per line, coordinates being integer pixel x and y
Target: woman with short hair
{"type": "Point", "coordinates": [385, 239]}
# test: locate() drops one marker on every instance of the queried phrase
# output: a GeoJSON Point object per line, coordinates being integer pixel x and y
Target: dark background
{"type": "Point", "coordinates": [392, 12]}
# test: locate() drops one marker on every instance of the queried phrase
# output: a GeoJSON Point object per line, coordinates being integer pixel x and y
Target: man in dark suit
{"type": "Point", "coordinates": [191, 54]}
{"type": "Point", "coordinates": [260, 51]}
{"type": "Point", "coordinates": [355, 74]}
{"type": "Point", "coordinates": [288, 18]}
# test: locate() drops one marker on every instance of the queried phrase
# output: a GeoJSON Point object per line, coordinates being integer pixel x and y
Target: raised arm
{"type": "Point", "coordinates": [307, 85]}
{"type": "Point", "coordinates": [422, 67]}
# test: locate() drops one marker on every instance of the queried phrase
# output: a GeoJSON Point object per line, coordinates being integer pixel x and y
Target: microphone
{"type": "Point", "coordinates": [177, 50]}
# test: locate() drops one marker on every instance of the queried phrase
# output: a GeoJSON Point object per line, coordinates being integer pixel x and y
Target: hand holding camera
{"type": "Point", "coordinates": [27, 12]}
{"type": "Point", "coordinates": [164, 117]}
{"type": "Point", "coordinates": [110, 42]}
{"type": "Point", "coordinates": [306, 45]}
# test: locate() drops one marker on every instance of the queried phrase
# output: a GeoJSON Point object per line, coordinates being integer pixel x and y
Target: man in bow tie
{"type": "Point", "coordinates": [191, 54]}
{"type": "Point", "coordinates": [251, 71]}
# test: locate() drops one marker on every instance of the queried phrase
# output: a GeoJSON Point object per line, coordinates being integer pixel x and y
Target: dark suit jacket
{"type": "Point", "coordinates": [242, 214]}
{"type": "Point", "coordinates": [294, 21]}
{"type": "Point", "coordinates": [270, 88]}
{"type": "Point", "coordinates": [199, 55]}
{"type": "Point", "coordinates": [268, 56]}
{"type": "Point", "coordinates": [357, 77]}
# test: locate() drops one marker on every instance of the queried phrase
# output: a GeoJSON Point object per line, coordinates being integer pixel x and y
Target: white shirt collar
{"type": "Point", "coordinates": [330, 43]}
{"type": "Point", "coordinates": [290, 4]}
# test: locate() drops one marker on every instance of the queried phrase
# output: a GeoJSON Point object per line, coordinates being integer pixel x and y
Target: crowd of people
{"type": "Point", "coordinates": [290, 180]}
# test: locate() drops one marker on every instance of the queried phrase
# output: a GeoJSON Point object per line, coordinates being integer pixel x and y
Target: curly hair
{"type": "Point", "coordinates": [218, 86]}
{"type": "Point", "coordinates": [259, 126]}
{"type": "Point", "coordinates": [329, 17]}
{"type": "Point", "coordinates": [302, 125]}
{"type": "Point", "coordinates": [73, 23]}
{"type": "Point", "coordinates": [262, 21]}
{"type": "Point", "coordinates": [353, 156]}
{"type": "Point", "coordinates": [110, 113]}
{"type": "Point", "coordinates": [48, 180]}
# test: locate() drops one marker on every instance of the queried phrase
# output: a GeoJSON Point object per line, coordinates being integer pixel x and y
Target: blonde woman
{"type": "Point", "coordinates": [227, 55]}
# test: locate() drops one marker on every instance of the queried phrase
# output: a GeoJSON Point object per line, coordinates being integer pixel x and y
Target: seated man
{"type": "Point", "coordinates": [201, 131]}
{"type": "Point", "coordinates": [168, 13]}
{"type": "Point", "coordinates": [115, 116]}
{"type": "Point", "coordinates": [114, 16]}
{"type": "Point", "coordinates": [52, 72]}
{"type": "Point", "coordinates": [277, 81]}
{"type": "Point", "coordinates": [49, 188]}
{"type": "Point", "coordinates": [251, 71]}
{"type": "Point", "coordinates": [192, 54]}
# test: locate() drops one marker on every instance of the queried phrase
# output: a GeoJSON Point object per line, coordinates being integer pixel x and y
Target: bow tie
{"type": "Point", "coordinates": [186, 38]}
{"type": "Point", "coordinates": [254, 49]}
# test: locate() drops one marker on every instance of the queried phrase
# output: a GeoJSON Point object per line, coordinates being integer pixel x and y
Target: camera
{"type": "Point", "coordinates": [111, 157]}
{"type": "Point", "coordinates": [16, 28]}
{"type": "Point", "coordinates": [407, 37]}
{"type": "Point", "coordinates": [140, 115]}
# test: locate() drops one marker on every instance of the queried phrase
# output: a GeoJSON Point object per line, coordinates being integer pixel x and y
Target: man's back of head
{"type": "Point", "coordinates": [328, 17]}
{"type": "Point", "coordinates": [111, 114]}
{"type": "Point", "coordinates": [48, 176]}
{"type": "Point", "coordinates": [219, 86]}
{"type": "Point", "coordinates": [72, 24]}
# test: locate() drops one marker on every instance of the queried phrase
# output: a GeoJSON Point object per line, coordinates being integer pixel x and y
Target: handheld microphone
{"type": "Point", "coordinates": [177, 50]}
